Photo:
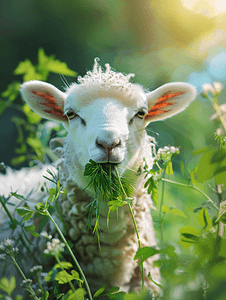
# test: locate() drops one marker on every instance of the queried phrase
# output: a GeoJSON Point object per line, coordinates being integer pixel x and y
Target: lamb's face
{"type": "Point", "coordinates": [105, 130]}
{"type": "Point", "coordinates": [105, 116]}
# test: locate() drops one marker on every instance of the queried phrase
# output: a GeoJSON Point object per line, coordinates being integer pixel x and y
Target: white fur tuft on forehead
{"type": "Point", "coordinates": [106, 83]}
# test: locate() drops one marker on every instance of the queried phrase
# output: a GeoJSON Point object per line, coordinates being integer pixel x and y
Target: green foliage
{"type": "Point", "coordinates": [8, 286]}
{"type": "Point", "coordinates": [30, 145]}
{"type": "Point", "coordinates": [108, 187]}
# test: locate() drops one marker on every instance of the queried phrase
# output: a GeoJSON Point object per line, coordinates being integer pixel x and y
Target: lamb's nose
{"type": "Point", "coordinates": [108, 146]}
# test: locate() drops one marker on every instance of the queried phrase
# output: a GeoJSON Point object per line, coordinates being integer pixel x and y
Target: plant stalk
{"type": "Point", "coordinates": [24, 277]}
{"type": "Point", "coordinates": [72, 255]}
{"type": "Point", "coordinates": [160, 212]}
{"type": "Point", "coordinates": [135, 226]}
{"type": "Point", "coordinates": [191, 187]}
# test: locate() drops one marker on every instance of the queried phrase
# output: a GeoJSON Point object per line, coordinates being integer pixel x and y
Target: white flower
{"type": "Point", "coordinates": [218, 86]}
{"type": "Point", "coordinates": [8, 243]}
{"type": "Point", "coordinates": [214, 89]}
{"type": "Point", "coordinates": [54, 247]}
{"type": "Point", "coordinates": [36, 269]}
{"type": "Point", "coordinates": [207, 87]}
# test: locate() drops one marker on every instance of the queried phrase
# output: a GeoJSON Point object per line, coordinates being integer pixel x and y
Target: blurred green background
{"type": "Point", "coordinates": [159, 41]}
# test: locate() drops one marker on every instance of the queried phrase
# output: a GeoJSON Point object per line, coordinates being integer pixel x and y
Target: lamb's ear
{"type": "Point", "coordinates": [168, 100]}
{"type": "Point", "coordinates": [45, 99]}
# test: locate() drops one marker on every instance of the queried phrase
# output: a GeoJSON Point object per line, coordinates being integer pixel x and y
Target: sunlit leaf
{"type": "Point", "coordinates": [8, 286]}
{"type": "Point", "coordinates": [45, 296]}
{"type": "Point", "coordinates": [189, 236]}
{"type": "Point", "coordinates": [158, 284]}
{"type": "Point", "coordinates": [200, 151]}
{"type": "Point", "coordinates": [78, 295]}
{"type": "Point", "coordinates": [144, 253]}
{"type": "Point", "coordinates": [205, 168]}
{"type": "Point", "coordinates": [204, 220]}
{"type": "Point", "coordinates": [173, 211]}
{"type": "Point", "coordinates": [100, 291]}
{"type": "Point", "coordinates": [64, 264]}
{"type": "Point", "coordinates": [218, 156]}
{"type": "Point", "coordinates": [169, 168]}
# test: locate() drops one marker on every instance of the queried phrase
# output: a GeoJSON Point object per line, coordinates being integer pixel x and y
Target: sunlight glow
{"type": "Point", "coordinates": [210, 8]}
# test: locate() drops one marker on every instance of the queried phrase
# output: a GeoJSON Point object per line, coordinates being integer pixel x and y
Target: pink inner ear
{"type": "Point", "coordinates": [161, 103]}
{"type": "Point", "coordinates": [51, 103]}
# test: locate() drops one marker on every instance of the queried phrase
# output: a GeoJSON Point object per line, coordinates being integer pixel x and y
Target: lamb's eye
{"type": "Point", "coordinates": [70, 114]}
{"type": "Point", "coordinates": [140, 114]}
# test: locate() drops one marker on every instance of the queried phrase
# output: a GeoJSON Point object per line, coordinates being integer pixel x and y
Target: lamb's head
{"type": "Point", "coordinates": [105, 115]}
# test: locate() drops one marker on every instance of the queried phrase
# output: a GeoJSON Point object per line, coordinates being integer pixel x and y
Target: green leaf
{"type": "Point", "coordinates": [206, 168]}
{"type": "Point", "coordinates": [27, 69]}
{"type": "Point", "coordinates": [189, 236]}
{"type": "Point", "coordinates": [31, 229]}
{"type": "Point", "coordinates": [75, 274]}
{"type": "Point", "coordinates": [173, 211]}
{"type": "Point", "coordinates": [200, 151]}
{"type": "Point", "coordinates": [35, 143]}
{"type": "Point", "coordinates": [204, 220]}
{"type": "Point", "coordinates": [18, 160]}
{"type": "Point", "coordinates": [32, 117]}
{"type": "Point", "coordinates": [100, 291]}
{"type": "Point", "coordinates": [12, 285]}
{"type": "Point", "coordinates": [23, 67]}
{"type": "Point", "coordinates": [218, 156]}
{"type": "Point", "coordinates": [45, 296]}
{"type": "Point", "coordinates": [19, 297]}
{"type": "Point", "coordinates": [64, 264]}
{"type": "Point", "coordinates": [113, 290]}
{"type": "Point", "coordinates": [158, 284]}
{"type": "Point", "coordinates": [144, 253]}
{"type": "Point", "coordinates": [169, 168]}
{"type": "Point", "coordinates": [78, 294]}
{"type": "Point", "coordinates": [12, 91]}
{"type": "Point", "coordinates": [170, 251]}
{"type": "Point", "coordinates": [63, 277]}
{"type": "Point", "coordinates": [23, 211]}
{"type": "Point", "coordinates": [220, 176]}
{"type": "Point", "coordinates": [51, 64]}
{"type": "Point", "coordinates": [8, 286]}
{"type": "Point", "coordinates": [59, 67]}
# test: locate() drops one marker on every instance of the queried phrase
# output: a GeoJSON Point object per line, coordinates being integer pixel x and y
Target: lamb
{"type": "Point", "coordinates": [105, 116]}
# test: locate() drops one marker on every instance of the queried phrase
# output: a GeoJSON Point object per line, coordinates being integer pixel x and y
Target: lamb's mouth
{"type": "Point", "coordinates": [109, 166]}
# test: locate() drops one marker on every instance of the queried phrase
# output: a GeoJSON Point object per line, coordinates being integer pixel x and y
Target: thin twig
{"type": "Point", "coordinates": [191, 187]}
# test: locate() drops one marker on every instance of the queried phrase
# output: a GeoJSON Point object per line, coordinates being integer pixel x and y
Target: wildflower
{"type": "Point", "coordinates": [54, 247]}
{"type": "Point", "coordinates": [218, 87]}
{"type": "Point", "coordinates": [26, 283]}
{"type": "Point", "coordinates": [45, 235]}
{"type": "Point", "coordinates": [36, 269]}
{"type": "Point", "coordinates": [214, 89]}
{"type": "Point", "coordinates": [6, 247]}
{"type": "Point", "coordinates": [167, 152]}
{"type": "Point", "coordinates": [207, 88]}
{"type": "Point", "coordinates": [8, 243]}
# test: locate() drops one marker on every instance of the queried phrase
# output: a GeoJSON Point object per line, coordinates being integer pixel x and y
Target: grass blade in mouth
{"type": "Point", "coordinates": [107, 186]}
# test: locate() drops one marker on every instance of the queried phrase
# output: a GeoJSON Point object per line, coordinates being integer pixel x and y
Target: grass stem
{"type": "Point", "coordinates": [72, 255]}
{"type": "Point", "coordinates": [135, 225]}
